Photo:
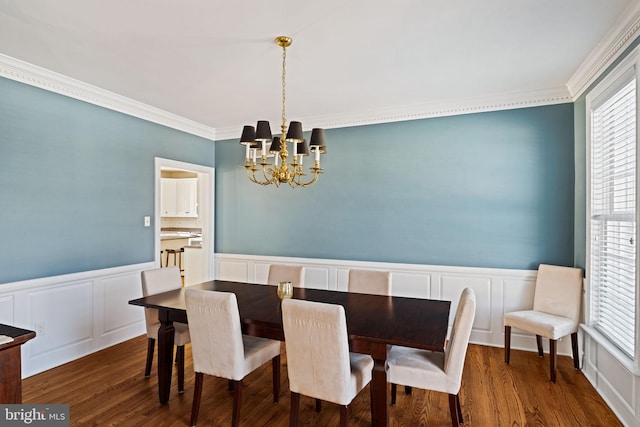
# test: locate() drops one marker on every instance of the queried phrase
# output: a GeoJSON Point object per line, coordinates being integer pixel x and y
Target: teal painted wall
{"type": "Point", "coordinates": [491, 189]}
{"type": "Point", "coordinates": [488, 190]}
{"type": "Point", "coordinates": [76, 181]}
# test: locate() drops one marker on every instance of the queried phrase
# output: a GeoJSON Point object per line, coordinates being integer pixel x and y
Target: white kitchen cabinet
{"type": "Point", "coordinates": [178, 197]}
{"type": "Point", "coordinates": [168, 197]}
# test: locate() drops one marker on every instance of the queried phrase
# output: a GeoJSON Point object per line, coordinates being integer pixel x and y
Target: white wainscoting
{"type": "Point", "coordinates": [497, 290]}
{"type": "Point", "coordinates": [77, 314]}
{"type": "Point", "coordinates": [73, 315]}
{"type": "Point", "coordinates": [613, 374]}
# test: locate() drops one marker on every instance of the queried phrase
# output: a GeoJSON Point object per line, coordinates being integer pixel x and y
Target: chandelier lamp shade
{"type": "Point", "coordinates": [260, 144]}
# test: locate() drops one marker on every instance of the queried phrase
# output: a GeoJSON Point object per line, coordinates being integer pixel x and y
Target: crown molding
{"type": "Point", "coordinates": [621, 35]}
{"type": "Point", "coordinates": [507, 101]}
{"type": "Point", "coordinates": [33, 75]}
{"type": "Point", "coordinates": [30, 74]}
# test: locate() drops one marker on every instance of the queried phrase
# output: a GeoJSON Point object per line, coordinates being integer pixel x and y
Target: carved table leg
{"type": "Point", "coordinates": [165, 357]}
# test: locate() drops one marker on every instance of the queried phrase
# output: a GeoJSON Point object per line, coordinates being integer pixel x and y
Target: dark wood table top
{"type": "Point", "coordinates": [412, 322]}
{"type": "Point", "coordinates": [19, 335]}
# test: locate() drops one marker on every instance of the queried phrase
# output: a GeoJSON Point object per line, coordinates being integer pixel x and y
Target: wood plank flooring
{"type": "Point", "coordinates": [108, 388]}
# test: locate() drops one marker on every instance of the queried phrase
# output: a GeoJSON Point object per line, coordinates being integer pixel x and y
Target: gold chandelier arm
{"type": "Point", "coordinates": [251, 174]}
{"type": "Point", "coordinates": [297, 181]}
{"type": "Point", "coordinates": [264, 165]}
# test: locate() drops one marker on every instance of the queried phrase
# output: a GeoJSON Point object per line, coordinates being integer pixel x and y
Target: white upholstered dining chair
{"type": "Point", "coordinates": [555, 314]}
{"type": "Point", "coordinates": [318, 358]}
{"type": "Point", "coordinates": [433, 370]}
{"type": "Point", "coordinates": [156, 281]}
{"type": "Point", "coordinates": [369, 282]}
{"type": "Point", "coordinates": [219, 348]}
{"type": "Point", "coordinates": [286, 273]}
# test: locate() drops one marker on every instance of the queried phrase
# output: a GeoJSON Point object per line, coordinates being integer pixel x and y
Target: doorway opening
{"type": "Point", "coordinates": [193, 232]}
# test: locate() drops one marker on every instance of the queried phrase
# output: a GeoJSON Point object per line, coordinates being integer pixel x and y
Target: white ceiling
{"type": "Point", "coordinates": [215, 62]}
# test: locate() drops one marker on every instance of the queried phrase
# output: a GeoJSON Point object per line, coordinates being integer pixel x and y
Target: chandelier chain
{"type": "Point", "coordinates": [284, 90]}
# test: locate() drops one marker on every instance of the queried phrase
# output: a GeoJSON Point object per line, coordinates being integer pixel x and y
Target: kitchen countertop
{"type": "Point", "coordinates": [179, 233]}
{"type": "Point", "coordinates": [185, 229]}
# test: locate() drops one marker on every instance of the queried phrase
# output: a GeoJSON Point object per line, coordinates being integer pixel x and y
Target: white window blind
{"type": "Point", "coordinates": [613, 215]}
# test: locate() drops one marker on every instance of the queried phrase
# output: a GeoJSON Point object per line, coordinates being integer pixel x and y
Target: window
{"type": "Point", "coordinates": [612, 211]}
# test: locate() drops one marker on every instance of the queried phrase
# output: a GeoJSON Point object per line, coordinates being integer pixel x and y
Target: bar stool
{"type": "Point", "coordinates": [176, 253]}
{"type": "Point", "coordinates": [171, 252]}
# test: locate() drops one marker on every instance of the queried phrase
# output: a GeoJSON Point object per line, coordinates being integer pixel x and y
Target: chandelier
{"type": "Point", "coordinates": [260, 143]}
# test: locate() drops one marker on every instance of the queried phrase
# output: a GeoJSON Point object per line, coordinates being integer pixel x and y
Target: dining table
{"type": "Point", "coordinates": [374, 322]}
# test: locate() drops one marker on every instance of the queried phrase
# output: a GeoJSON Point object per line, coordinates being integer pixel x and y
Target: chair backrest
{"type": "Point", "coordinates": [370, 282]}
{"type": "Point", "coordinates": [286, 273]}
{"type": "Point", "coordinates": [317, 350]}
{"type": "Point", "coordinates": [216, 335]}
{"type": "Point", "coordinates": [156, 281]}
{"type": "Point", "coordinates": [558, 291]}
{"type": "Point", "coordinates": [456, 349]}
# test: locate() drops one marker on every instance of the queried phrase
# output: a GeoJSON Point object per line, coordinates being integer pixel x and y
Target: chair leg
{"type": "Point", "coordinates": [237, 396]}
{"type": "Point", "coordinates": [318, 405]}
{"type": "Point", "coordinates": [507, 344]}
{"type": "Point", "coordinates": [230, 386]}
{"type": "Point", "coordinates": [539, 342]}
{"type": "Point", "coordinates": [453, 408]}
{"type": "Point", "coordinates": [407, 389]}
{"type": "Point", "coordinates": [180, 361]}
{"type": "Point", "coordinates": [275, 371]}
{"type": "Point", "coordinates": [552, 357]}
{"type": "Point", "coordinates": [293, 413]}
{"type": "Point", "coordinates": [344, 415]}
{"type": "Point", "coordinates": [151, 344]}
{"type": "Point", "coordinates": [574, 346]}
{"type": "Point", "coordinates": [197, 393]}
{"type": "Point", "coordinates": [460, 417]}
{"type": "Point", "coordinates": [393, 394]}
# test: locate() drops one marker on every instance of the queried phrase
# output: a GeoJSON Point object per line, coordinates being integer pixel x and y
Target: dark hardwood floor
{"type": "Point", "coordinates": [108, 388]}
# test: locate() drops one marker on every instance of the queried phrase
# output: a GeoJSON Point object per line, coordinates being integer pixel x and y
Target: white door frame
{"type": "Point", "coordinates": [206, 189]}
